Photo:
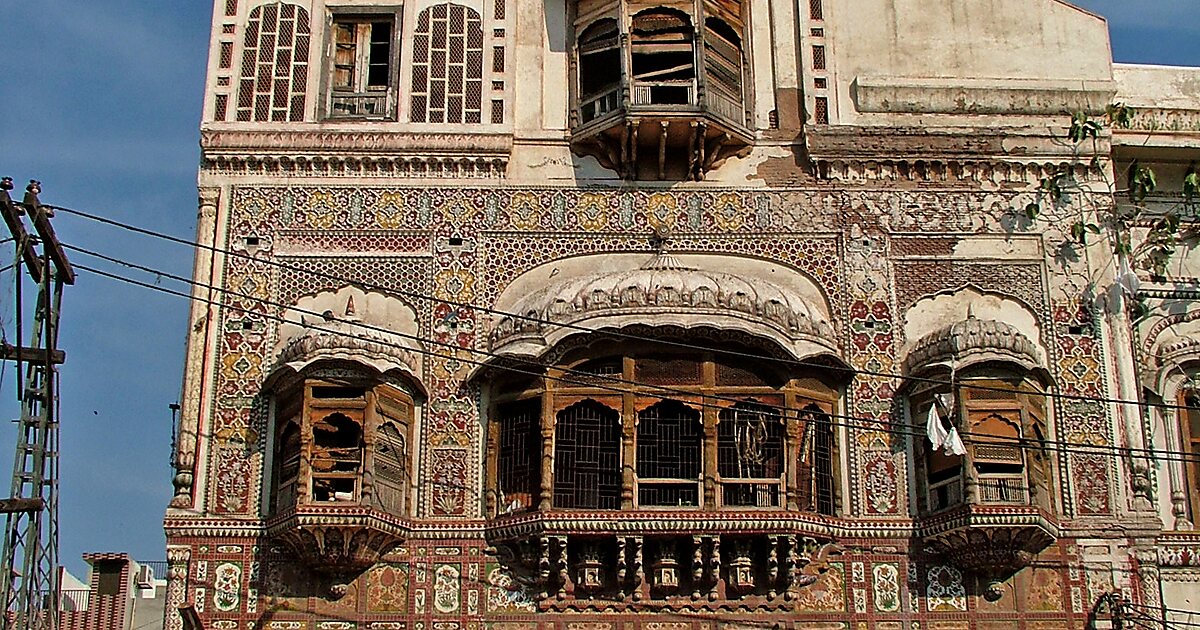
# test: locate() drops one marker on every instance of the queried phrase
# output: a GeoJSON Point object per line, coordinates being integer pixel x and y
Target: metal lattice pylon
{"type": "Point", "coordinates": [30, 592]}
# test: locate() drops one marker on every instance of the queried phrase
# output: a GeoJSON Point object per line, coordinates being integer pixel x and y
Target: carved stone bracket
{"type": "Point", "coordinates": [993, 546]}
{"type": "Point", "coordinates": [338, 544]}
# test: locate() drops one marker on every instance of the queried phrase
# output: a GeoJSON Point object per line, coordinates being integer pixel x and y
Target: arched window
{"type": "Point", "coordinates": [663, 61]}
{"type": "Point", "coordinates": [694, 430]}
{"type": "Point", "coordinates": [669, 448]}
{"type": "Point", "coordinates": [343, 441]}
{"type": "Point", "coordinates": [1001, 419]}
{"type": "Point", "coordinates": [750, 455]}
{"type": "Point", "coordinates": [519, 464]}
{"type": "Point", "coordinates": [447, 66]}
{"type": "Point", "coordinates": [587, 457]}
{"type": "Point", "coordinates": [723, 68]}
{"type": "Point", "coordinates": [336, 458]}
{"type": "Point", "coordinates": [1190, 431]}
{"type": "Point", "coordinates": [599, 68]}
{"type": "Point", "coordinates": [274, 77]}
{"type": "Point", "coordinates": [814, 475]}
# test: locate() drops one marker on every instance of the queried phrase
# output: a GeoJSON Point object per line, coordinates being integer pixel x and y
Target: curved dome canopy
{"type": "Point", "coordinates": [973, 341]}
{"type": "Point", "coordinates": [755, 297]}
{"type": "Point", "coordinates": [350, 325]}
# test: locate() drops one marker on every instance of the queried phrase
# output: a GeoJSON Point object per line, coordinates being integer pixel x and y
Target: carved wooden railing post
{"type": "Point", "coordinates": [717, 590]}
{"type": "Point", "coordinates": [638, 568]}
{"type": "Point", "coordinates": [697, 565]}
{"type": "Point", "coordinates": [773, 544]}
{"type": "Point", "coordinates": [559, 573]}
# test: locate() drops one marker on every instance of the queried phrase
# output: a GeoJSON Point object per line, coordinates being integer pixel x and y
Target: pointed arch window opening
{"type": "Point", "coordinates": [750, 455]}
{"type": "Point", "coordinates": [587, 457]}
{"type": "Point", "coordinates": [670, 438]}
{"type": "Point", "coordinates": [1190, 430]}
{"type": "Point", "coordinates": [518, 460]}
{"type": "Point", "coordinates": [998, 468]}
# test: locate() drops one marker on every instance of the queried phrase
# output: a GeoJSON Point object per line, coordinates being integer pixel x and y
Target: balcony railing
{"type": "Point", "coordinates": [664, 92]}
{"type": "Point", "coordinates": [359, 105]}
{"type": "Point", "coordinates": [726, 107]}
{"type": "Point", "coordinates": [1007, 490]}
{"type": "Point", "coordinates": [596, 107]}
{"type": "Point", "coordinates": [761, 493]}
{"type": "Point", "coordinates": [945, 493]}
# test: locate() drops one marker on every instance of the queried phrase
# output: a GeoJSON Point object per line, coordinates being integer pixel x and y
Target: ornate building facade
{"type": "Point", "coordinates": [621, 314]}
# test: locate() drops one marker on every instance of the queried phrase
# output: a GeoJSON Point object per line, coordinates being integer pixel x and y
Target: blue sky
{"type": "Point", "coordinates": [101, 101]}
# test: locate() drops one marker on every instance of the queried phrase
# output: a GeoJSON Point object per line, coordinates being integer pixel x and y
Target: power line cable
{"type": "Point", "coordinates": [868, 424]}
{"type": "Point", "coordinates": [584, 329]}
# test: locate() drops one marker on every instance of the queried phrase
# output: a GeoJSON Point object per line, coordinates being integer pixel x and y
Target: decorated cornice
{"type": "Point", "coordinates": [354, 142]}
{"type": "Point", "coordinates": [952, 155]}
{"type": "Point", "coordinates": [331, 153]}
{"type": "Point", "coordinates": [1161, 120]}
{"type": "Point", "coordinates": [1179, 550]}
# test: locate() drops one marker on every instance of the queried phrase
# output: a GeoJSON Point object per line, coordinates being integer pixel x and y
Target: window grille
{"type": "Point", "coordinates": [815, 10]}
{"type": "Point", "coordinates": [818, 60]}
{"type": "Point", "coordinates": [682, 371]}
{"type": "Point", "coordinates": [820, 83]}
{"type": "Point", "coordinates": [587, 460]}
{"type": "Point", "coordinates": [519, 464]}
{"type": "Point", "coordinates": [231, 7]}
{"type": "Point", "coordinates": [227, 29]}
{"type": "Point", "coordinates": [669, 442]}
{"type": "Point", "coordinates": [750, 455]}
{"type": "Point", "coordinates": [498, 59]}
{"type": "Point", "coordinates": [274, 75]}
{"type": "Point", "coordinates": [221, 107]}
{"type": "Point", "coordinates": [447, 73]}
{"type": "Point", "coordinates": [226, 55]}
{"type": "Point", "coordinates": [821, 115]}
{"type": "Point", "coordinates": [497, 112]}
{"type": "Point", "coordinates": [498, 10]}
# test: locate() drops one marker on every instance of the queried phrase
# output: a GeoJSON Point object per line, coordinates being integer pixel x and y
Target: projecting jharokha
{"type": "Point", "coordinates": [688, 315]}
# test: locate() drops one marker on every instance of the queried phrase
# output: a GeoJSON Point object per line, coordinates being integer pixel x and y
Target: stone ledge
{"type": "Point", "coordinates": [887, 95]}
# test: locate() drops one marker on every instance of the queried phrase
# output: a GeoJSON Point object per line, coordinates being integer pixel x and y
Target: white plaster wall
{"type": "Point", "coordinates": [998, 41]}
{"type": "Point", "coordinates": [934, 313]}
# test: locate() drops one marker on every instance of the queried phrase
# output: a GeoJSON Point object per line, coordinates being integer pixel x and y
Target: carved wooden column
{"type": "Point", "coordinates": [200, 339]}
{"type": "Point", "coordinates": [491, 507]}
{"type": "Point", "coordinates": [711, 416]}
{"type": "Point", "coordinates": [546, 500]}
{"type": "Point", "coordinates": [629, 422]}
{"type": "Point", "coordinates": [697, 566]}
{"type": "Point", "coordinates": [793, 437]}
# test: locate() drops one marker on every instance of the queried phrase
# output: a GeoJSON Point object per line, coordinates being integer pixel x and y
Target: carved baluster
{"type": "Point", "coordinates": [638, 568]}
{"type": "Point", "coordinates": [792, 575]}
{"type": "Point", "coordinates": [697, 565]}
{"type": "Point", "coordinates": [560, 566]}
{"type": "Point", "coordinates": [622, 565]}
{"type": "Point", "coordinates": [543, 544]}
{"type": "Point", "coordinates": [773, 545]}
{"type": "Point", "coordinates": [714, 569]}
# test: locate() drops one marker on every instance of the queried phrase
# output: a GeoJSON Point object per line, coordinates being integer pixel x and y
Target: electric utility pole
{"type": "Point", "coordinates": [30, 593]}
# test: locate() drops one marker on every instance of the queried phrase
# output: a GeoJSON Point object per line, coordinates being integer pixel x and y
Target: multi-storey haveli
{"type": "Point", "coordinates": [620, 314]}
